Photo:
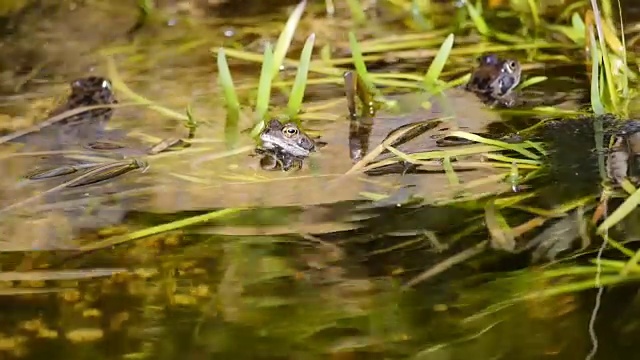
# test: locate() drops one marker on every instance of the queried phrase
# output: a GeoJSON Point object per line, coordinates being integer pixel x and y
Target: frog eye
{"type": "Point", "coordinates": [106, 84]}
{"type": "Point", "coordinates": [490, 59]}
{"type": "Point", "coordinates": [290, 131]}
{"type": "Point", "coordinates": [511, 65]}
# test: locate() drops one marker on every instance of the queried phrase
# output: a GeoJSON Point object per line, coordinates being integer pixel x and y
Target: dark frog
{"type": "Point", "coordinates": [70, 123]}
{"type": "Point", "coordinates": [284, 146]}
{"type": "Point", "coordinates": [494, 79]}
{"type": "Point", "coordinates": [82, 122]}
{"type": "Point", "coordinates": [79, 122]}
{"type": "Point", "coordinates": [92, 90]}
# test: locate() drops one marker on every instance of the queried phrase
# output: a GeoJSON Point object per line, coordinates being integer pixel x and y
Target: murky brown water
{"type": "Point", "coordinates": [310, 269]}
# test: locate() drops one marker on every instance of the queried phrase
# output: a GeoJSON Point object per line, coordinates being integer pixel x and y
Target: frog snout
{"type": "Point", "coordinates": [306, 144]}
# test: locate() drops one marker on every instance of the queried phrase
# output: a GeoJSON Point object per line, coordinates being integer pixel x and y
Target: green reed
{"type": "Point", "coordinates": [360, 65]}
{"type": "Point", "coordinates": [614, 88]}
{"type": "Point", "coordinates": [416, 13]}
{"type": "Point", "coordinates": [300, 82]}
{"type": "Point", "coordinates": [264, 90]}
{"type": "Point", "coordinates": [357, 11]}
{"type": "Point", "coordinates": [596, 94]}
{"type": "Point", "coordinates": [286, 37]}
{"type": "Point", "coordinates": [162, 228]}
{"type": "Point", "coordinates": [430, 80]}
{"type": "Point", "coordinates": [476, 17]}
{"type": "Point", "coordinates": [271, 62]}
{"type": "Point", "coordinates": [225, 80]}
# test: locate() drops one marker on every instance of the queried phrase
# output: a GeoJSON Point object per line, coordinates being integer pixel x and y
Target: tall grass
{"type": "Point", "coordinates": [225, 81]}
{"type": "Point", "coordinates": [264, 90]}
{"type": "Point", "coordinates": [360, 65]}
{"type": "Point", "coordinates": [437, 65]}
{"type": "Point", "coordinates": [272, 60]}
{"type": "Point", "coordinates": [300, 82]}
{"type": "Point", "coordinates": [614, 89]}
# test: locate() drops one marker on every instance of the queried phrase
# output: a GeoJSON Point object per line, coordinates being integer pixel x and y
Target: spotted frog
{"type": "Point", "coordinates": [284, 146]}
{"type": "Point", "coordinates": [494, 79]}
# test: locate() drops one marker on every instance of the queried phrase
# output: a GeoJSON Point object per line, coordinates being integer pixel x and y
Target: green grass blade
{"type": "Point", "coordinates": [574, 287]}
{"type": "Point", "coordinates": [597, 99]}
{"type": "Point", "coordinates": [418, 18]}
{"type": "Point", "coordinates": [299, 84]}
{"type": "Point", "coordinates": [606, 60]}
{"type": "Point", "coordinates": [607, 10]}
{"type": "Point", "coordinates": [596, 103]}
{"type": "Point", "coordinates": [284, 40]}
{"type": "Point", "coordinates": [533, 6]}
{"type": "Point", "coordinates": [330, 7]}
{"type": "Point", "coordinates": [477, 19]}
{"type": "Point", "coordinates": [192, 123]}
{"type": "Point", "coordinates": [479, 139]}
{"type": "Point", "coordinates": [532, 81]}
{"type": "Point", "coordinates": [577, 23]}
{"type": "Point", "coordinates": [159, 229]}
{"type": "Point", "coordinates": [357, 12]}
{"type": "Point", "coordinates": [358, 62]}
{"type": "Point", "coordinates": [230, 97]}
{"type": "Point", "coordinates": [433, 73]}
{"type": "Point", "coordinates": [625, 78]}
{"type": "Point", "coordinates": [145, 9]}
{"type": "Point", "coordinates": [264, 90]}
{"type": "Point", "coordinates": [631, 265]}
{"type": "Point", "coordinates": [502, 236]}
{"type": "Point", "coordinates": [621, 212]}
{"type": "Point", "coordinates": [450, 171]}
{"type": "Point", "coordinates": [615, 245]}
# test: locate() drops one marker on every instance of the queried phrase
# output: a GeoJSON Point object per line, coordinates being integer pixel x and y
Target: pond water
{"type": "Point", "coordinates": [206, 255]}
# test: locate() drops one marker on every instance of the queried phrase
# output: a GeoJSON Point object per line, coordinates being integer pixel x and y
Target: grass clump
{"type": "Point", "coordinates": [271, 61]}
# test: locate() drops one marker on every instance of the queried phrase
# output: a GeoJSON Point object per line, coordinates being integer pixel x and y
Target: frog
{"type": "Point", "coordinates": [68, 127]}
{"type": "Point", "coordinates": [494, 80]}
{"type": "Point", "coordinates": [492, 84]}
{"type": "Point", "coordinates": [284, 146]}
{"type": "Point", "coordinates": [60, 129]}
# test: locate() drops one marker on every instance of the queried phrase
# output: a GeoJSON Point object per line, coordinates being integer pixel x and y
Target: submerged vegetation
{"type": "Point", "coordinates": [204, 232]}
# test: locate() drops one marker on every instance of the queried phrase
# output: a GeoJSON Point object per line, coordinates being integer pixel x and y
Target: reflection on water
{"type": "Point", "coordinates": [260, 297]}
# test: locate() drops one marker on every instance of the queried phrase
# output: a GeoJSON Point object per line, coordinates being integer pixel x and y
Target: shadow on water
{"type": "Point", "coordinates": [196, 296]}
{"type": "Point", "coordinates": [300, 266]}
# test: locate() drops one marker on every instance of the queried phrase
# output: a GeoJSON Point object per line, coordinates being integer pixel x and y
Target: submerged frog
{"type": "Point", "coordinates": [494, 79]}
{"type": "Point", "coordinates": [88, 91]}
{"type": "Point", "coordinates": [59, 131]}
{"type": "Point", "coordinates": [284, 146]}
{"type": "Point", "coordinates": [70, 126]}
